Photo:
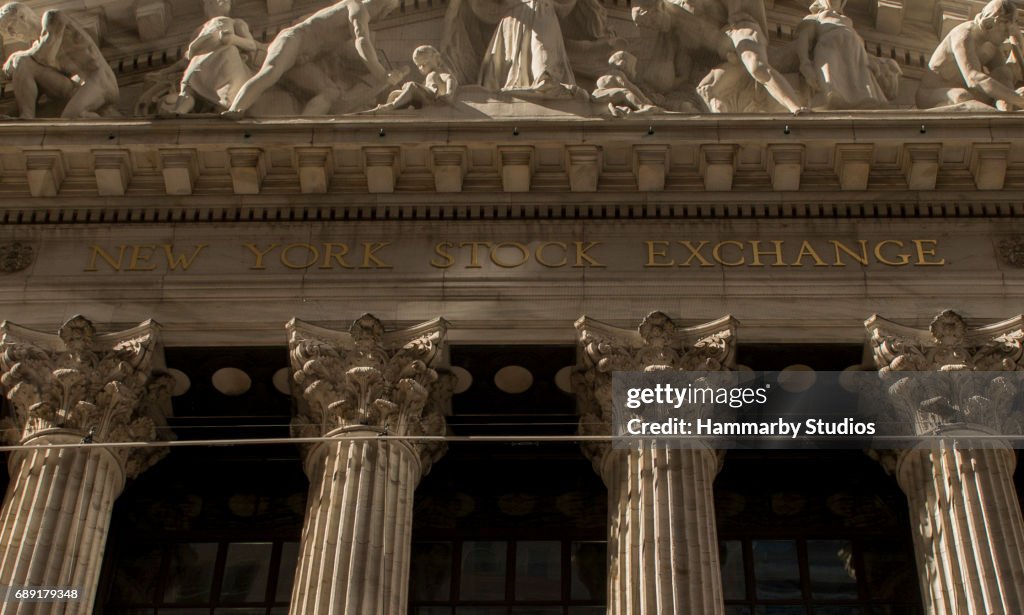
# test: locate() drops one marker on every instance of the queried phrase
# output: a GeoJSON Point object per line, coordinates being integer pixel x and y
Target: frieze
{"type": "Point", "coordinates": [496, 60]}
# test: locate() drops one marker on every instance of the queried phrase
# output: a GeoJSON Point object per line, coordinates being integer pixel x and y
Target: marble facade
{"type": "Point", "coordinates": [796, 166]}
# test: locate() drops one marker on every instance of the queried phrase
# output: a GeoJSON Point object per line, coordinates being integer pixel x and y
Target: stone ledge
{"type": "Point", "coordinates": [821, 154]}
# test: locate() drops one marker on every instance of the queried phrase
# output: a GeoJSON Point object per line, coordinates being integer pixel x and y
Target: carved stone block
{"type": "Point", "coordinates": [853, 165]}
{"type": "Point", "coordinates": [785, 164]}
{"type": "Point", "coordinates": [988, 165]}
{"type": "Point", "coordinates": [584, 167]}
{"type": "Point", "coordinates": [650, 164]}
{"type": "Point", "coordinates": [889, 16]}
{"type": "Point", "coordinates": [921, 165]}
{"type": "Point", "coordinates": [448, 162]}
{"type": "Point", "coordinates": [314, 165]}
{"type": "Point", "coordinates": [717, 165]}
{"type": "Point", "coordinates": [248, 168]}
{"type": "Point", "coordinates": [151, 19]}
{"type": "Point", "coordinates": [180, 170]}
{"type": "Point", "coordinates": [112, 169]}
{"type": "Point", "coordinates": [516, 167]}
{"type": "Point", "coordinates": [381, 165]}
{"type": "Point", "coordinates": [45, 172]}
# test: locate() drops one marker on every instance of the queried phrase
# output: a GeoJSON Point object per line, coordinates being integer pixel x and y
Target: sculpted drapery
{"type": "Point", "coordinates": [837, 70]}
{"type": "Point", "coordinates": [520, 45]}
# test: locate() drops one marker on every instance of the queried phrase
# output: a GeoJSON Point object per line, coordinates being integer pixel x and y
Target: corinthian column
{"type": "Point", "coordinates": [75, 387]}
{"type": "Point", "coordinates": [354, 387]}
{"type": "Point", "coordinates": [968, 532]}
{"type": "Point", "coordinates": [662, 541]}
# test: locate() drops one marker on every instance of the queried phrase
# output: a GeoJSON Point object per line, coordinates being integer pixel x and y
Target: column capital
{"type": "Point", "coordinates": [962, 396]}
{"type": "Point", "coordinates": [396, 382]}
{"type": "Point", "coordinates": [657, 344]}
{"type": "Point", "coordinates": [98, 387]}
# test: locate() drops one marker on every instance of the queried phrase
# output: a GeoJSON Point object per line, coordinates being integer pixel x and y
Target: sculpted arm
{"type": "Point", "coordinates": [243, 38]}
{"type": "Point", "coordinates": [360, 19]}
{"type": "Point", "coordinates": [973, 70]}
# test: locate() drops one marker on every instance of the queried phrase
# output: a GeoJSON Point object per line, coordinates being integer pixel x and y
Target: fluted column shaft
{"type": "Point", "coordinates": [354, 554]}
{"type": "Point", "coordinates": [662, 540]}
{"type": "Point", "coordinates": [969, 538]}
{"type": "Point", "coordinates": [54, 522]}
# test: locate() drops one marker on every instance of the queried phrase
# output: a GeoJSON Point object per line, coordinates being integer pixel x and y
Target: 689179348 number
{"type": "Point", "coordinates": [39, 594]}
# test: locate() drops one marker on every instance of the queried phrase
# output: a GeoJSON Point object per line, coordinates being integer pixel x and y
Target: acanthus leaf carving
{"type": "Point", "coordinates": [106, 388]}
{"type": "Point", "coordinates": [657, 344]}
{"type": "Point", "coordinates": [395, 382]}
{"type": "Point", "coordinates": [956, 380]}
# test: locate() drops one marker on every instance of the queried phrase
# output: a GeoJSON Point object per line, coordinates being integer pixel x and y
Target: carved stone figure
{"type": "Point", "coordinates": [526, 53]}
{"type": "Point", "coordinates": [970, 67]}
{"type": "Point", "coordinates": [837, 70]}
{"type": "Point", "coordinates": [734, 32]}
{"type": "Point", "coordinates": [63, 63]}
{"type": "Point", "coordinates": [618, 90]}
{"type": "Point", "coordinates": [315, 55]}
{"type": "Point", "coordinates": [219, 59]}
{"type": "Point", "coordinates": [439, 84]}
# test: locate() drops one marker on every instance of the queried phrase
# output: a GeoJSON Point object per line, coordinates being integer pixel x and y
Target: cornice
{"type": "Point", "coordinates": [865, 164]}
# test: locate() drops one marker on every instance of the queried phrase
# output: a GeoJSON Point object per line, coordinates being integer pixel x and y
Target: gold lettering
{"type": "Point", "coordinates": [138, 257]}
{"type": "Point", "coordinates": [581, 254]}
{"type": "Point", "coordinates": [716, 253]}
{"type": "Point", "coordinates": [181, 260]}
{"type": "Point", "coordinates": [100, 252]}
{"type": "Point", "coordinates": [652, 252]}
{"type": "Point", "coordinates": [259, 255]}
{"type": "Point", "coordinates": [370, 248]}
{"type": "Point", "coordinates": [474, 253]}
{"type": "Point", "coordinates": [540, 254]}
{"type": "Point", "coordinates": [776, 252]}
{"type": "Point", "coordinates": [807, 250]}
{"type": "Point", "coordinates": [861, 258]}
{"type": "Point", "coordinates": [312, 252]}
{"type": "Point", "coordinates": [695, 254]}
{"type": "Point", "coordinates": [440, 250]}
{"type": "Point", "coordinates": [524, 254]}
{"type": "Point", "coordinates": [335, 252]}
{"type": "Point", "coordinates": [903, 256]}
{"type": "Point", "coordinates": [922, 253]}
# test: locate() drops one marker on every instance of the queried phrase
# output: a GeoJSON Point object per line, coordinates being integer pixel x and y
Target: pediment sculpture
{"type": "Point", "coordinates": [495, 58]}
{"type": "Point", "coordinates": [61, 62]}
{"type": "Point", "coordinates": [973, 66]}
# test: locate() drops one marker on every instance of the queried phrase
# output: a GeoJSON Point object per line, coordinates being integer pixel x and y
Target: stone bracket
{"type": "Point", "coordinates": [113, 171]}
{"type": "Point", "coordinates": [448, 163]}
{"type": "Point", "coordinates": [853, 165]}
{"type": "Point", "coordinates": [152, 18]}
{"type": "Point", "coordinates": [315, 166]}
{"type": "Point", "coordinates": [785, 164]}
{"type": "Point", "coordinates": [584, 167]}
{"type": "Point", "coordinates": [381, 164]}
{"type": "Point", "coordinates": [45, 171]}
{"type": "Point", "coordinates": [248, 168]}
{"type": "Point", "coordinates": [516, 167]}
{"type": "Point", "coordinates": [921, 165]}
{"type": "Point", "coordinates": [180, 169]}
{"type": "Point", "coordinates": [650, 165]}
{"type": "Point", "coordinates": [717, 166]}
{"type": "Point", "coordinates": [888, 16]}
{"type": "Point", "coordinates": [988, 165]}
